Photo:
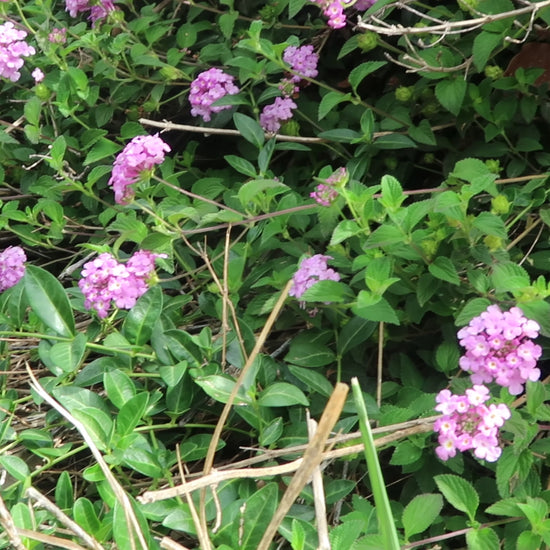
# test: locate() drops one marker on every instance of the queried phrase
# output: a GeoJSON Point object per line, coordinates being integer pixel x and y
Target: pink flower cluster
{"type": "Point", "coordinates": [12, 50]}
{"type": "Point", "coordinates": [325, 193]}
{"type": "Point", "coordinates": [141, 154]}
{"type": "Point", "coordinates": [334, 10]}
{"type": "Point", "coordinates": [311, 271]}
{"type": "Point", "coordinates": [98, 10]}
{"type": "Point", "coordinates": [208, 87]}
{"type": "Point", "coordinates": [12, 266]}
{"type": "Point", "coordinates": [104, 280]}
{"type": "Point", "coordinates": [467, 423]}
{"type": "Point", "coordinates": [279, 111]}
{"type": "Point", "coordinates": [302, 60]}
{"type": "Point", "coordinates": [58, 36]}
{"type": "Point", "coordinates": [499, 347]}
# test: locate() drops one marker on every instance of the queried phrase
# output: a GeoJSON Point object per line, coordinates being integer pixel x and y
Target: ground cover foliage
{"type": "Point", "coordinates": [414, 161]}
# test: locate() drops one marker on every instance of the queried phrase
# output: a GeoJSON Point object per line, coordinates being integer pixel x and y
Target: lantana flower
{"type": "Point", "coordinates": [105, 280]}
{"type": "Point", "coordinates": [468, 423]}
{"type": "Point", "coordinates": [12, 50]}
{"type": "Point", "coordinates": [500, 348]}
{"type": "Point", "coordinates": [279, 111]}
{"type": "Point", "coordinates": [12, 266]}
{"type": "Point", "coordinates": [311, 271]}
{"type": "Point", "coordinates": [207, 88]}
{"type": "Point", "coordinates": [139, 156]}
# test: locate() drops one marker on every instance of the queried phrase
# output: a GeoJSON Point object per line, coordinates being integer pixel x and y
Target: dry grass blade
{"type": "Point", "coordinates": [218, 476]}
{"type": "Point", "coordinates": [45, 503]}
{"type": "Point", "coordinates": [122, 497]}
{"type": "Point", "coordinates": [312, 458]}
{"type": "Point", "coordinates": [51, 541]}
{"type": "Point", "coordinates": [6, 521]}
{"type": "Point", "coordinates": [209, 460]}
{"type": "Point", "coordinates": [318, 495]}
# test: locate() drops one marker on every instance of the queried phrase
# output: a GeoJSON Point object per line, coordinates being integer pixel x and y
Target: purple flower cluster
{"type": "Point", "coordinates": [303, 61]}
{"type": "Point", "coordinates": [499, 347]}
{"type": "Point", "coordinates": [104, 280]}
{"type": "Point", "coordinates": [141, 154]}
{"type": "Point", "coordinates": [467, 423]}
{"type": "Point", "coordinates": [334, 10]}
{"type": "Point", "coordinates": [311, 271]}
{"type": "Point", "coordinates": [12, 266]}
{"type": "Point", "coordinates": [279, 111]}
{"type": "Point", "coordinates": [208, 87]}
{"type": "Point", "coordinates": [12, 49]}
{"type": "Point", "coordinates": [325, 193]}
{"type": "Point", "coordinates": [98, 10]}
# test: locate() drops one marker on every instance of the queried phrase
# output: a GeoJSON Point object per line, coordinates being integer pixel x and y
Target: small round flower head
{"type": "Point", "coordinates": [499, 348]}
{"type": "Point", "coordinates": [363, 5]}
{"type": "Point", "coordinates": [311, 271]}
{"type": "Point", "coordinates": [303, 61]}
{"type": "Point", "coordinates": [207, 88]}
{"type": "Point", "coordinates": [12, 50]}
{"type": "Point", "coordinates": [104, 280]}
{"type": "Point", "coordinates": [12, 266]}
{"type": "Point", "coordinates": [279, 111]}
{"type": "Point", "coordinates": [58, 36]}
{"type": "Point", "coordinates": [467, 423]}
{"type": "Point", "coordinates": [325, 193]}
{"type": "Point", "coordinates": [38, 75]}
{"type": "Point", "coordinates": [74, 7]}
{"type": "Point", "coordinates": [140, 155]}
{"type": "Point", "coordinates": [100, 11]}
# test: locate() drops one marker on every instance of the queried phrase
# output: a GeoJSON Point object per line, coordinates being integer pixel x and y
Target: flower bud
{"type": "Point", "coordinates": [404, 93]}
{"type": "Point", "coordinates": [500, 205]}
{"type": "Point", "coordinates": [367, 41]}
{"type": "Point", "coordinates": [494, 72]}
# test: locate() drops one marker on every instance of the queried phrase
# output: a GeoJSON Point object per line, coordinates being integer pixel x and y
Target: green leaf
{"type": "Point", "coordinates": [450, 93]}
{"type": "Point", "coordinates": [123, 530]}
{"type": "Point", "coordinates": [85, 515]}
{"type": "Point", "coordinates": [357, 74]}
{"type": "Point", "coordinates": [472, 309]}
{"type": "Point", "coordinates": [196, 447]}
{"type": "Point", "coordinates": [64, 491]}
{"type": "Point", "coordinates": [309, 354]}
{"type": "Point", "coordinates": [444, 269]}
{"type": "Point", "coordinates": [326, 291]}
{"type": "Point", "coordinates": [250, 129]}
{"type": "Point", "coordinates": [420, 513]}
{"type": "Point", "coordinates": [484, 44]}
{"type": "Point", "coordinates": [102, 149]}
{"type": "Point", "coordinates": [509, 276]}
{"type": "Point", "coordinates": [57, 152]}
{"type": "Point", "coordinates": [490, 224]}
{"type": "Point", "coordinates": [380, 311]}
{"type": "Point", "coordinates": [273, 431]}
{"type": "Point", "coordinates": [346, 229]}
{"type": "Point", "coordinates": [482, 539]}
{"type": "Point", "coordinates": [459, 493]}
{"type": "Point", "coordinates": [282, 394]}
{"type": "Point", "coordinates": [423, 133]}
{"type": "Point", "coordinates": [528, 541]}
{"type": "Point", "coordinates": [131, 413]}
{"type": "Point", "coordinates": [341, 135]}
{"type": "Point", "coordinates": [119, 387]}
{"type": "Point", "coordinates": [354, 332]}
{"type": "Point", "coordinates": [470, 169]}
{"type": "Point", "coordinates": [260, 508]}
{"type": "Point", "coordinates": [143, 461]}
{"type": "Point", "coordinates": [395, 141]}
{"type": "Point", "coordinates": [314, 380]}
{"type": "Point", "coordinates": [251, 189]}
{"type": "Point", "coordinates": [392, 193]}
{"type": "Point", "coordinates": [329, 101]}
{"type": "Point", "coordinates": [15, 466]}
{"type": "Point", "coordinates": [97, 424]}
{"type": "Point", "coordinates": [68, 355]}
{"type": "Point", "coordinates": [32, 109]}
{"type": "Point", "coordinates": [219, 387]}
{"type": "Point", "coordinates": [405, 453]}
{"type": "Point", "coordinates": [241, 165]}
{"type": "Point", "coordinates": [48, 300]}
{"type": "Point", "coordinates": [139, 323]}
{"type": "Point", "coordinates": [129, 227]}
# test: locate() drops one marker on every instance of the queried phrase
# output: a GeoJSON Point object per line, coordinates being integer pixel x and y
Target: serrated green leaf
{"type": "Point", "coordinates": [380, 311]}
{"type": "Point", "coordinates": [484, 44]}
{"type": "Point", "coordinates": [405, 453]}
{"type": "Point", "coordinates": [472, 309]}
{"type": "Point", "coordinates": [509, 276]}
{"type": "Point", "coordinates": [420, 513]}
{"type": "Point", "coordinates": [102, 149]}
{"type": "Point", "coordinates": [326, 291]}
{"type": "Point", "coordinates": [459, 493]}
{"type": "Point", "coordinates": [444, 269]}
{"type": "Point", "coordinates": [482, 539]}
{"type": "Point", "coordinates": [450, 93]}
{"type": "Point", "coordinates": [395, 141]}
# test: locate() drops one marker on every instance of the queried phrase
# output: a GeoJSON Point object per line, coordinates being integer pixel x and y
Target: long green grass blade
{"type": "Point", "coordinates": [381, 500]}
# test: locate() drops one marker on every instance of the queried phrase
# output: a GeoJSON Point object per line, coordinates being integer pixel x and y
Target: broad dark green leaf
{"type": "Point", "coordinates": [259, 510]}
{"type": "Point", "coordinates": [282, 394]}
{"type": "Point", "coordinates": [119, 387]}
{"type": "Point", "coordinates": [131, 413]}
{"type": "Point", "coordinates": [250, 129]}
{"type": "Point", "coordinates": [139, 323]}
{"type": "Point", "coordinates": [49, 301]}
{"type": "Point", "coordinates": [459, 492]}
{"type": "Point", "coordinates": [420, 513]}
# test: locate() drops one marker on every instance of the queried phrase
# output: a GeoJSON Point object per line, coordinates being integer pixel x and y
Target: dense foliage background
{"type": "Point", "coordinates": [439, 116]}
